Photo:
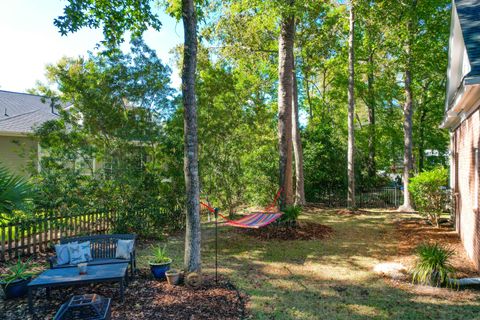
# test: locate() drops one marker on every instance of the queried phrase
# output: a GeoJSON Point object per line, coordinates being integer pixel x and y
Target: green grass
{"type": "Point", "coordinates": [324, 279]}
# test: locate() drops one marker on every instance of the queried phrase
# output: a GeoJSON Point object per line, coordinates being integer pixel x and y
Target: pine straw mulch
{"type": "Point", "coordinates": [304, 230]}
{"type": "Point", "coordinates": [145, 298]}
{"type": "Point", "coordinates": [414, 231]}
{"type": "Point", "coordinates": [409, 233]}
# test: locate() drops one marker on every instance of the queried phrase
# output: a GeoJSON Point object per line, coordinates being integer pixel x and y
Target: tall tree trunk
{"type": "Point", "coordinates": [371, 165]}
{"type": "Point", "coordinates": [407, 131]}
{"type": "Point", "coordinates": [421, 139]}
{"type": "Point", "coordinates": [309, 99]}
{"type": "Point", "coordinates": [351, 111]}
{"type": "Point", "coordinates": [192, 259]}
{"type": "Point", "coordinates": [285, 90]}
{"type": "Point", "coordinates": [297, 144]}
{"type": "Point", "coordinates": [408, 115]}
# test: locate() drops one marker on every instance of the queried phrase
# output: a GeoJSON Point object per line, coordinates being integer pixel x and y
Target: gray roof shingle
{"type": "Point", "coordinates": [469, 15]}
{"type": "Point", "coordinates": [20, 113]}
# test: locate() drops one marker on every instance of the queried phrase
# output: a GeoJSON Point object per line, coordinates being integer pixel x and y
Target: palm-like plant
{"type": "Point", "coordinates": [16, 271]}
{"type": "Point", "coordinates": [433, 266]}
{"type": "Point", "coordinates": [160, 255]}
{"type": "Point", "coordinates": [15, 191]}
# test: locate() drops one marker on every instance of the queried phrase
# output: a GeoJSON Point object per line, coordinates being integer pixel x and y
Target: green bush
{"type": "Point", "coordinates": [433, 266]}
{"type": "Point", "coordinates": [429, 193]}
{"type": "Point", "coordinates": [291, 213]}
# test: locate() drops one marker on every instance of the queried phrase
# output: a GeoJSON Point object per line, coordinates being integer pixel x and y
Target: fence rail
{"type": "Point", "coordinates": [387, 197]}
{"type": "Point", "coordinates": [37, 234]}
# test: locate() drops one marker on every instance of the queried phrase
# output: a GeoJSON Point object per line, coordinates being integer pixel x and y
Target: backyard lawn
{"type": "Point", "coordinates": [333, 278]}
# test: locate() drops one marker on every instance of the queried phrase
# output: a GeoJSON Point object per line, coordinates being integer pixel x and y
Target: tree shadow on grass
{"type": "Point", "coordinates": [323, 279]}
{"type": "Point", "coordinates": [287, 295]}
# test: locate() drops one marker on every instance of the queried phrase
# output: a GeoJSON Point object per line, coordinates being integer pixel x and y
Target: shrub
{"type": "Point", "coordinates": [433, 266]}
{"type": "Point", "coordinates": [291, 213]}
{"type": "Point", "coordinates": [429, 193]}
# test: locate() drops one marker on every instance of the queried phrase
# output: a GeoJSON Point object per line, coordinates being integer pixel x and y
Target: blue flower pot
{"type": "Point", "coordinates": [159, 269]}
{"type": "Point", "coordinates": [16, 289]}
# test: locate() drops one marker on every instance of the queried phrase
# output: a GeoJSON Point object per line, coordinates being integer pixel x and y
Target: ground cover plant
{"type": "Point", "coordinates": [434, 265]}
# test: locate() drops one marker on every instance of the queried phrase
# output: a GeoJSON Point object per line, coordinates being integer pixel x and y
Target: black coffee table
{"type": "Point", "coordinates": [63, 277]}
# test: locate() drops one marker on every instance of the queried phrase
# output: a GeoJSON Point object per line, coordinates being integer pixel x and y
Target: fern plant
{"type": "Point", "coordinates": [291, 213]}
{"type": "Point", "coordinates": [433, 266]}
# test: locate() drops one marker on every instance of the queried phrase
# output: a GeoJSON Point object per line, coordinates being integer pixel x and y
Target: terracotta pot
{"type": "Point", "coordinates": [173, 277]}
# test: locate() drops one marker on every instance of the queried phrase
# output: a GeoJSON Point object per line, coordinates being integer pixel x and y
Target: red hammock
{"type": "Point", "coordinates": [253, 220]}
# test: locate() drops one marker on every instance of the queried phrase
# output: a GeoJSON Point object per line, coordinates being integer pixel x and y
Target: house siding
{"type": "Point", "coordinates": [17, 153]}
{"type": "Point", "coordinates": [464, 143]}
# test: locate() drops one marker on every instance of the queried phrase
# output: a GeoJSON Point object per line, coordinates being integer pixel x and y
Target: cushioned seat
{"type": "Point", "coordinates": [94, 262]}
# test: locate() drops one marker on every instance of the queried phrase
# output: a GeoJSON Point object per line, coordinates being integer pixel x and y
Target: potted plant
{"type": "Point", "coordinates": [160, 262]}
{"type": "Point", "coordinates": [14, 282]}
{"type": "Point", "coordinates": [173, 277]}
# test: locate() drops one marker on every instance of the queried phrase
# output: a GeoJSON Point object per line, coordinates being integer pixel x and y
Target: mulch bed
{"type": "Point", "coordinates": [145, 298]}
{"type": "Point", "coordinates": [303, 231]}
{"type": "Point", "coordinates": [414, 231]}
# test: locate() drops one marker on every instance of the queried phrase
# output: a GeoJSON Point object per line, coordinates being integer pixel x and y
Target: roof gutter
{"type": "Point", "coordinates": [14, 134]}
{"type": "Point", "coordinates": [466, 101]}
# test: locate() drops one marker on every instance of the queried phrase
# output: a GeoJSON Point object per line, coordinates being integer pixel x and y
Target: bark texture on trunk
{"type": "Point", "coordinates": [408, 116]}
{"type": "Point", "coordinates": [351, 111]}
{"type": "Point", "coordinates": [407, 143]}
{"type": "Point", "coordinates": [192, 259]}
{"type": "Point", "coordinates": [371, 165]}
{"type": "Point", "coordinates": [285, 92]}
{"type": "Point", "coordinates": [421, 139]}
{"type": "Point", "coordinates": [297, 145]}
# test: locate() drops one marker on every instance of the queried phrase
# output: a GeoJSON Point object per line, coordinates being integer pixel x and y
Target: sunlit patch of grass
{"type": "Point", "coordinates": [331, 278]}
{"type": "Point", "coordinates": [363, 310]}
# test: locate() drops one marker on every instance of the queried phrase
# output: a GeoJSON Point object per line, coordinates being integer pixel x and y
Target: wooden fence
{"type": "Point", "coordinates": [37, 234]}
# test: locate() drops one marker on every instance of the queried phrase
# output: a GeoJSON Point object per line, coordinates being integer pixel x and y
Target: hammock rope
{"type": "Point", "coordinates": [254, 220]}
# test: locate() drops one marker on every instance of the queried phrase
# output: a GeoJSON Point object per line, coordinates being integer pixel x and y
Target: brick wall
{"type": "Point", "coordinates": [465, 143]}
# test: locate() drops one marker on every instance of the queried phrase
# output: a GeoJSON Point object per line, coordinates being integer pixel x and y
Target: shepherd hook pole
{"type": "Point", "coordinates": [216, 245]}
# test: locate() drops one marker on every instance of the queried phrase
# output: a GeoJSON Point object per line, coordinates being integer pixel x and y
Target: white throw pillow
{"type": "Point", "coordinates": [63, 256]}
{"type": "Point", "coordinates": [124, 248]}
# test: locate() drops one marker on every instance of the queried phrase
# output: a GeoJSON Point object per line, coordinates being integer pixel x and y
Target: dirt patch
{"type": "Point", "coordinates": [145, 298]}
{"type": "Point", "coordinates": [350, 212]}
{"type": "Point", "coordinates": [414, 231]}
{"type": "Point", "coordinates": [303, 231]}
